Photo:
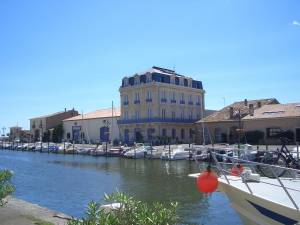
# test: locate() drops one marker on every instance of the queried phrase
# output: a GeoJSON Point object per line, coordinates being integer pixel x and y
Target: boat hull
{"type": "Point", "coordinates": [259, 211]}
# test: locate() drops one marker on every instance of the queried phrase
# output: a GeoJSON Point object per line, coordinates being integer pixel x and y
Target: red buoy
{"type": "Point", "coordinates": [237, 170]}
{"type": "Point", "coordinates": [207, 182]}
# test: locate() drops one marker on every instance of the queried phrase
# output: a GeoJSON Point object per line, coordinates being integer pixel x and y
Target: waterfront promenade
{"type": "Point", "coordinates": [19, 212]}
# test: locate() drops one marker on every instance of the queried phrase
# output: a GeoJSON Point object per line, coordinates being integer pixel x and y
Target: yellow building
{"type": "Point", "coordinates": [160, 104]}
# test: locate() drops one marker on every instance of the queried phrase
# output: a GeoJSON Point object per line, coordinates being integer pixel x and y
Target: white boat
{"type": "Point", "coordinates": [262, 200]}
{"type": "Point", "coordinates": [177, 153]}
{"type": "Point", "coordinates": [137, 152]}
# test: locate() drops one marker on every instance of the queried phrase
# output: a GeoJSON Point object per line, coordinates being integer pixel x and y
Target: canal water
{"type": "Point", "coordinates": [67, 183]}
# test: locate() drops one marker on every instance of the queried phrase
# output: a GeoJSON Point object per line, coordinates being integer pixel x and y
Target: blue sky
{"type": "Point", "coordinates": [72, 53]}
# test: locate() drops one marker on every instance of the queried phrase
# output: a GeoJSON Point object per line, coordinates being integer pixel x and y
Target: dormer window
{"type": "Point", "coordinates": [270, 113]}
{"type": "Point", "coordinates": [136, 80]}
{"type": "Point", "coordinates": [149, 77]}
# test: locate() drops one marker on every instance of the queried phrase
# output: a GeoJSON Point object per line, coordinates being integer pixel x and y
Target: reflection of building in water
{"type": "Point", "coordinates": [148, 180]}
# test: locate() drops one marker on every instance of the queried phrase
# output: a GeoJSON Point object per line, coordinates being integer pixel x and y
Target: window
{"type": "Point", "coordinates": [163, 96]}
{"type": "Point", "coordinates": [273, 132]}
{"type": "Point", "coordinates": [182, 115]}
{"type": "Point", "coordinates": [137, 96]}
{"type": "Point", "coordinates": [190, 115]}
{"type": "Point", "coordinates": [125, 100]}
{"type": "Point", "coordinates": [164, 132]}
{"type": "Point", "coordinates": [149, 95]}
{"type": "Point", "coordinates": [173, 96]}
{"type": "Point", "coordinates": [177, 80]}
{"type": "Point", "coordinates": [173, 115]}
{"type": "Point", "coordinates": [149, 113]}
{"type": "Point", "coordinates": [136, 80]}
{"type": "Point", "coordinates": [182, 99]}
{"type": "Point", "coordinates": [185, 82]}
{"type": "Point", "coordinates": [182, 134]}
{"type": "Point", "coordinates": [198, 100]}
{"type": "Point", "coordinates": [190, 100]}
{"type": "Point", "coordinates": [163, 113]}
{"type": "Point", "coordinates": [126, 115]}
{"type": "Point", "coordinates": [68, 135]}
{"type": "Point", "coordinates": [173, 133]}
{"type": "Point", "coordinates": [137, 115]}
{"type": "Point", "coordinates": [191, 133]}
{"type": "Point", "coordinates": [149, 78]}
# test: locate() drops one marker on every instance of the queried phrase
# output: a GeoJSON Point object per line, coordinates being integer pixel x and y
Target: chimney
{"type": "Point", "coordinates": [231, 112]}
{"type": "Point", "coordinates": [246, 102]}
{"type": "Point", "coordinates": [258, 104]}
{"type": "Point", "coordinates": [251, 110]}
{"type": "Point", "coordinates": [65, 109]}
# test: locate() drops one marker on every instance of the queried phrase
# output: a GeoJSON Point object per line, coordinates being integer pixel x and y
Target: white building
{"type": "Point", "coordinates": [93, 127]}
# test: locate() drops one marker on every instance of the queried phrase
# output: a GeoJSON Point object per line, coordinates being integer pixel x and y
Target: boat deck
{"type": "Point", "coordinates": [268, 188]}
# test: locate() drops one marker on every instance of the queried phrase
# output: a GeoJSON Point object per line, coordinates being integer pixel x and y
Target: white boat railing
{"type": "Point", "coordinates": [224, 172]}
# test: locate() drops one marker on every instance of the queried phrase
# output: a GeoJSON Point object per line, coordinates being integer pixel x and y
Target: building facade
{"type": "Point", "coordinates": [222, 126]}
{"type": "Point", "coordinates": [93, 127]}
{"type": "Point", "coordinates": [160, 104]}
{"type": "Point", "coordinates": [43, 125]}
{"type": "Point", "coordinates": [273, 119]}
{"type": "Point", "coordinates": [18, 134]}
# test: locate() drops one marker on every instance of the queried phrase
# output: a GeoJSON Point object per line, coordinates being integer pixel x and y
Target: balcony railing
{"type": "Point", "coordinates": [156, 120]}
{"type": "Point", "coordinates": [137, 102]}
{"type": "Point", "coordinates": [149, 100]}
{"type": "Point", "coordinates": [191, 103]}
{"type": "Point", "coordinates": [126, 103]}
{"type": "Point", "coordinates": [182, 102]}
{"type": "Point", "coordinates": [198, 103]}
{"type": "Point", "coordinates": [163, 100]}
{"type": "Point", "coordinates": [173, 101]}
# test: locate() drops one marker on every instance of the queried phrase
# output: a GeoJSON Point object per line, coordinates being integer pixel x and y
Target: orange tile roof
{"type": "Point", "coordinates": [101, 113]}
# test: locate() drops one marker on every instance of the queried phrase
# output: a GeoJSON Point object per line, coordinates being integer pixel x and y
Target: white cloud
{"type": "Point", "coordinates": [296, 23]}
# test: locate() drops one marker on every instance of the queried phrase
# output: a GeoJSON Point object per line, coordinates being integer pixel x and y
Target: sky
{"type": "Point", "coordinates": [57, 54]}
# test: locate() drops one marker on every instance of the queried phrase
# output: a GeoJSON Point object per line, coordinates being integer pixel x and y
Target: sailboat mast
{"type": "Point", "coordinates": [112, 115]}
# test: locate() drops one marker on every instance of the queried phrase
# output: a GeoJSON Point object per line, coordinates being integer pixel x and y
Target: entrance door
{"type": "Point", "coordinates": [104, 134]}
{"type": "Point", "coordinates": [298, 134]}
{"type": "Point", "coordinates": [126, 135]}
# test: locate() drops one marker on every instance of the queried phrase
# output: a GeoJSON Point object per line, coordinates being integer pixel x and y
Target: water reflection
{"type": "Point", "coordinates": [67, 183]}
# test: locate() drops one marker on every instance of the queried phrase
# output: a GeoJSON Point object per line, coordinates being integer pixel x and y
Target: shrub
{"type": "Point", "coordinates": [6, 188]}
{"type": "Point", "coordinates": [253, 137]}
{"type": "Point", "coordinates": [131, 211]}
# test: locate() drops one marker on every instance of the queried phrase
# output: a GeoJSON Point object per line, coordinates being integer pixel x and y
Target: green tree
{"type": "Point", "coordinates": [6, 188]}
{"type": "Point", "coordinates": [58, 133]}
{"type": "Point", "coordinates": [131, 212]}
